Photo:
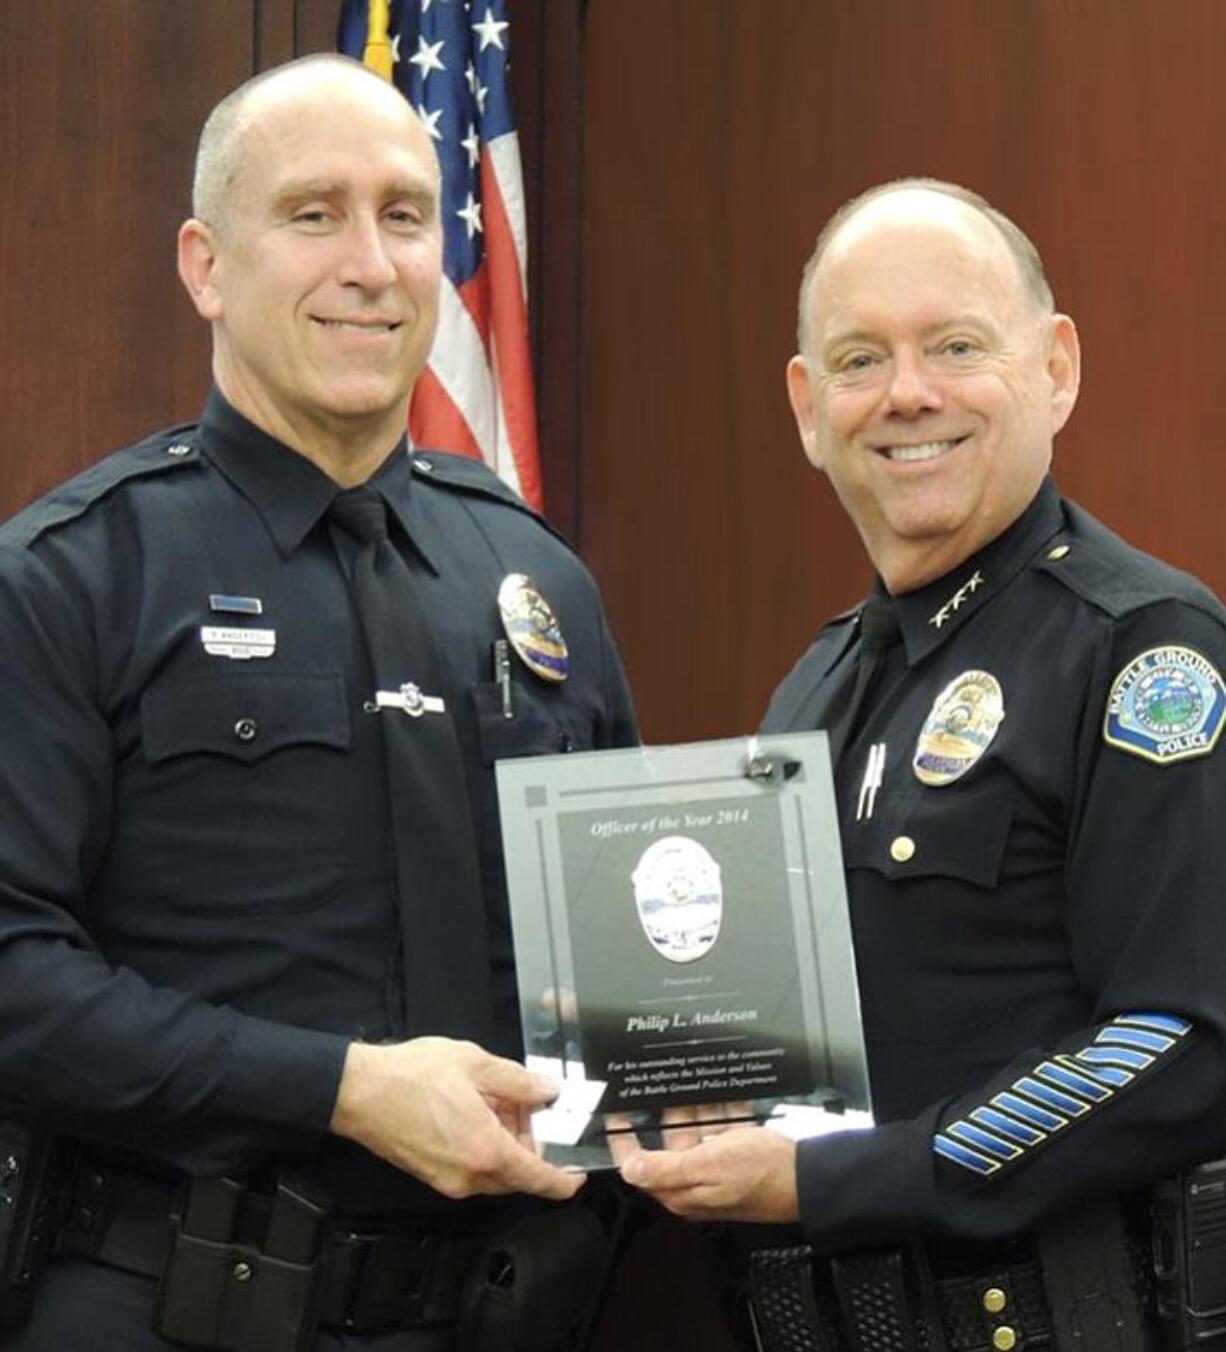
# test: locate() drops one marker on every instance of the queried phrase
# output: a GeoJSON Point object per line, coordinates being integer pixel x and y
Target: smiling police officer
{"type": "Point", "coordinates": [255, 963]}
{"type": "Point", "coordinates": [1025, 716]}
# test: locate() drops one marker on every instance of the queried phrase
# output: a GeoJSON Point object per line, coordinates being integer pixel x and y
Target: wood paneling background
{"type": "Point", "coordinates": [679, 158]}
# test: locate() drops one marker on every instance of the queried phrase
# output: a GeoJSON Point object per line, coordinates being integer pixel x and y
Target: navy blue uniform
{"type": "Point", "coordinates": [198, 903]}
{"type": "Point", "coordinates": [1040, 939]}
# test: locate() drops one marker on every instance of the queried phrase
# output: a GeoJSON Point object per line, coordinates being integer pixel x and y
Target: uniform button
{"type": "Point", "coordinates": [902, 848]}
{"type": "Point", "coordinates": [994, 1300]}
{"type": "Point", "coordinates": [242, 1273]}
{"type": "Point", "coordinates": [245, 729]}
{"type": "Point", "coordinates": [1004, 1339]}
{"type": "Point", "coordinates": [424, 466]}
{"type": "Point", "coordinates": [179, 449]}
{"type": "Point", "coordinates": [1058, 553]}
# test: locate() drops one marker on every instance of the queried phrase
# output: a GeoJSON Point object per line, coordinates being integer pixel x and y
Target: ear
{"type": "Point", "coordinates": [800, 394]}
{"type": "Point", "coordinates": [197, 267]}
{"type": "Point", "coordinates": [1064, 368]}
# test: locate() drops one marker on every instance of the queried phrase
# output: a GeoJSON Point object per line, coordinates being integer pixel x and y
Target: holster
{"type": "Point", "coordinates": [31, 1188]}
{"type": "Point", "coordinates": [537, 1286]}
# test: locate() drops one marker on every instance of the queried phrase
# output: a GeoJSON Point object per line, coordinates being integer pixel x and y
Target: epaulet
{"type": "Point", "coordinates": [1107, 572]}
{"type": "Point", "coordinates": [461, 473]}
{"type": "Point", "coordinates": [161, 453]}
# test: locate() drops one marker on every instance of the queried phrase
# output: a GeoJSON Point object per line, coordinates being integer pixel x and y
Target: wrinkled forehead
{"type": "Point", "coordinates": [915, 244]}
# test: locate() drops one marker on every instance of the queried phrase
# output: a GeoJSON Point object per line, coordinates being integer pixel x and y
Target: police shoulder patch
{"type": "Point", "coordinates": [1168, 704]}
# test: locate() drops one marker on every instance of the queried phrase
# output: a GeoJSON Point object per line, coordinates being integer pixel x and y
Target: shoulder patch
{"type": "Point", "coordinates": [157, 454]}
{"type": "Point", "coordinates": [1166, 705]}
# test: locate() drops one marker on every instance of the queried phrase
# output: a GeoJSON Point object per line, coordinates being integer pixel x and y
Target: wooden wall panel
{"type": "Point", "coordinates": [101, 106]}
{"type": "Point", "coordinates": [720, 134]}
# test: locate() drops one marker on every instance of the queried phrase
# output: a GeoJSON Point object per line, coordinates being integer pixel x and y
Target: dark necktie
{"type": "Point", "coordinates": [447, 975]}
{"type": "Point", "coordinates": [879, 632]}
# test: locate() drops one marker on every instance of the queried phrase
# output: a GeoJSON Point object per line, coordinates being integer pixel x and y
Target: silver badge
{"type": "Point", "coordinates": [679, 898]}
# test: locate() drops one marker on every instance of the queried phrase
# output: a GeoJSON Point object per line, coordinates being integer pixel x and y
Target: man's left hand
{"type": "Point", "coordinates": [745, 1174]}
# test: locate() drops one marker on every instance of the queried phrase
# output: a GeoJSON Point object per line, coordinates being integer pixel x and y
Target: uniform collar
{"type": "Point", "coordinates": [931, 615]}
{"type": "Point", "coordinates": [290, 493]}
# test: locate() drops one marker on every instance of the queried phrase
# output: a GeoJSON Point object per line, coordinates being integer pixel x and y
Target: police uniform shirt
{"type": "Point", "coordinates": [197, 887]}
{"type": "Point", "coordinates": [1039, 914]}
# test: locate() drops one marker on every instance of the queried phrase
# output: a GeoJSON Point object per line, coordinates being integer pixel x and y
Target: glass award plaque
{"type": "Point", "coordinates": [682, 942]}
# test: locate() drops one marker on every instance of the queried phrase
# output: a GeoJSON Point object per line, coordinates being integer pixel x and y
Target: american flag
{"type": "Point", "coordinates": [449, 59]}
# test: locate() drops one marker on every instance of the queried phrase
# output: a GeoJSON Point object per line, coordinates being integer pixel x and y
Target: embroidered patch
{"type": "Point", "coordinates": [1166, 705]}
{"type": "Point", "coordinates": [1057, 1092]}
{"type": "Point", "coordinates": [963, 721]}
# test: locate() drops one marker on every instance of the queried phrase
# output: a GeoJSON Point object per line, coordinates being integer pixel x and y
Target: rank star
{"type": "Point", "coordinates": [968, 588]}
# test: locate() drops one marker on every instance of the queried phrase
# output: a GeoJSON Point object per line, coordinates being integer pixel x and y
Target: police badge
{"type": "Point", "coordinates": [679, 898]}
{"type": "Point", "coordinates": [533, 628]}
{"type": "Point", "coordinates": [963, 721]}
{"type": "Point", "coordinates": [1166, 705]}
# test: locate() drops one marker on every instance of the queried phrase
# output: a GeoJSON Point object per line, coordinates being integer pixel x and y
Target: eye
{"type": "Point", "coordinates": [310, 216]}
{"type": "Point", "coordinates": [855, 363]}
{"type": "Point", "coordinates": [959, 347]}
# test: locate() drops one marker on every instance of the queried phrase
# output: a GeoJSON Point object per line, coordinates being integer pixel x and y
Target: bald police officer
{"type": "Point", "coordinates": [242, 934]}
{"type": "Point", "coordinates": [1036, 893]}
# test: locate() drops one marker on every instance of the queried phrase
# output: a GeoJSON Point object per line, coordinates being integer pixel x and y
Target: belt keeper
{"type": "Point", "coordinates": [782, 1304]}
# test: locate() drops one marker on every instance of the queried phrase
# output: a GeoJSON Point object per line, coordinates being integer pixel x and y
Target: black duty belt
{"type": "Point", "coordinates": [1082, 1283]}
{"type": "Point", "coordinates": [367, 1282]}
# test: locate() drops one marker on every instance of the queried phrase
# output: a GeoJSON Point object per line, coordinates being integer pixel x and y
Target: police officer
{"type": "Point", "coordinates": [1030, 793]}
{"type": "Point", "coordinates": [252, 916]}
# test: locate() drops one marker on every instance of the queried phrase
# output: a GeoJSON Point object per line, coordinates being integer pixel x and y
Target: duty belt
{"type": "Point", "coordinates": [1081, 1286]}
{"type": "Point", "coordinates": [362, 1281]}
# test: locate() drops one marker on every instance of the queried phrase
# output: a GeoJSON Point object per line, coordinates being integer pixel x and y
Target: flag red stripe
{"type": "Point", "coordinates": [510, 340]}
{"type": "Point", "coordinates": [435, 421]}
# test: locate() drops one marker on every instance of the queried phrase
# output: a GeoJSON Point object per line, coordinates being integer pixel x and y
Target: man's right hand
{"type": "Point", "coordinates": [450, 1114]}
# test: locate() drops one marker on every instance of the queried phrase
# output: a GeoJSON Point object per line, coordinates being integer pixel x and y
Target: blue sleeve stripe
{"type": "Point", "coordinates": [1072, 1081]}
{"type": "Point", "coordinates": [1008, 1126]}
{"type": "Point", "coordinates": [1029, 1112]}
{"type": "Point", "coordinates": [1166, 1023]}
{"type": "Point", "coordinates": [1115, 1034]}
{"type": "Point", "coordinates": [1108, 1074]}
{"type": "Point", "coordinates": [1053, 1098]}
{"type": "Point", "coordinates": [959, 1154]}
{"type": "Point", "coordinates": [993, 1145]}
{"type": "Point", "coordinates": [1116, 1056]}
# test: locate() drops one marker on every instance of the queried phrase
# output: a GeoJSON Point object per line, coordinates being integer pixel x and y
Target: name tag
{"type": "Point", "coordinates": [239, 644]}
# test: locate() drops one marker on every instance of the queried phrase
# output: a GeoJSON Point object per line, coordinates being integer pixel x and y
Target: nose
{"type": "Point", "coordinates": [912, 390]}
{"type": "Point", "coordinates": [365, 262]}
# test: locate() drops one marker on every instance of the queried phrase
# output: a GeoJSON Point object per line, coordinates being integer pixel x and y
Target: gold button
{"type": "Point", "coordinates": [1054, 554]}
{"type": "Point", "coordinates": [1004, 1338]}
{"type": "Point", "coordinates": [902, 848]}
{"type": "Point", "coordinates": [994, 1300]}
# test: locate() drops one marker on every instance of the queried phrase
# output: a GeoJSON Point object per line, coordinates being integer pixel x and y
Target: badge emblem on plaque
{"type": "Point", "coordinates": [960, 728]}
{"type": "Point", "coordinates": [679, 898]}
{"type": "Point", "coordinates": [533, 628]}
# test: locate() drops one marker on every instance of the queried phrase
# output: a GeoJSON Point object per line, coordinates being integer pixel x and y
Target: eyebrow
{"type": "Point", "coordinates": [330, 189]}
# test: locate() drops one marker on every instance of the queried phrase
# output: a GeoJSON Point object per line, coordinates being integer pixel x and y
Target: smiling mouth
{"type": "Point", "coordinates": [923, 450]}
{"type": "Point", "coordinates": [359, 326]}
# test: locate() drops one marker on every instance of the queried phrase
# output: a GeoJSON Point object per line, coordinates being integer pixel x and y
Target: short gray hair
{"type": "Point", "coordinates": [1027, 257]}
{"type": "Point", "coordinates": [220, 152]}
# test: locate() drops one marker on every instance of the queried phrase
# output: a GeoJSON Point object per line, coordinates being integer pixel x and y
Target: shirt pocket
{"type": "Point", "coordinates": [240, 799]}
{"type": "Point", "coordinates": [934, 834]}
{"type": "Point", "coordinates": [542, 723]}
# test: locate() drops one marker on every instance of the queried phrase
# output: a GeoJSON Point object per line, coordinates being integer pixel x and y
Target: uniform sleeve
{"type": "Point", "coordinates": [82, 1043]}
{"type": "Point", "coordinates": [618, 727]}
{"type": "Point", "coordinates": [1138, 1092]}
